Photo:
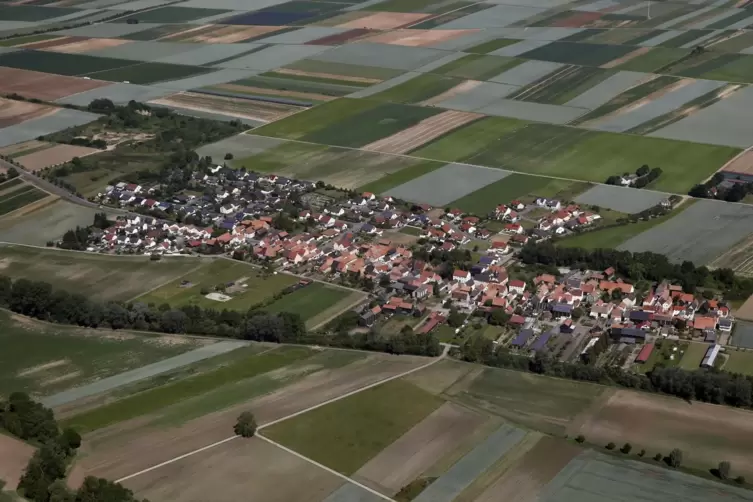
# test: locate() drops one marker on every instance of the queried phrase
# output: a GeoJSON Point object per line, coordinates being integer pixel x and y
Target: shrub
{"type": "Point", "coordinates": [626, 448]}
{"type": "Point", "coordinates": [657, 457]}
{"type": "Point", "coordinates": [675, 458]}
{"type": "Point", "coordinates": [611, 446]}
{"type": "Point", "coordinates": [740, 480]}
{"type": "Point", "coordinates": [246, 425]}
{"type": "Point", "coordinates": [641, 453]}
{"type": "Point", "coordinates": [724, 469]}
{"type": "Point", "coordinates": [580, 439]}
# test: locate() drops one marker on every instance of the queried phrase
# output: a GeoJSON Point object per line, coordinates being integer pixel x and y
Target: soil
{"type": "Point", "coordinates": [15, 112]}
{"type": "Point", "coordinates": [87, 45]}
{"type": "Point", "coordinates": [43, 367]}
{"type": "Point", "coordinates": [15, 456]}
{"type": "Point", "coordinates": [44, 86]}
{"type": "Point", "coordinates": [746, 310]}
{"type": "Point", "coordinates": [242, 469]}
{"type": "Point", "coordinates": [232, 34]}
{"type": "Point", "coordinates": [340, 38]}
{"type": "Point", "coordinates": [419, 448]}
{"type": "Point", "coordinates": [462, 87]}
{"type": "Point", "coordinates": [129, 447]}
{"type": "Point", "coordinates": [53, 42]}
{"type": "Point", "coordinates": [385, 20]}
{"type": "Point", "coordinates": [423, 132]}
{"type": "Point", "coordinates": [704, 432]}
{"type": "Point", "coordinates": [417, 38]}
{"type": "Point", "coordinates": [524, 482]}
{"type": "Point", "coordinates": [234, 107]}
{"type": "Point", "coordinates": [58, 154]}
{"type": "Point", "coordinates": [743, 163]}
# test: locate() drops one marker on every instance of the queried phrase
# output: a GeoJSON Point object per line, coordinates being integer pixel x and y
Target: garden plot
{"type": "Point", "coordinates": [273, 57]}
{"type": "Point", "coordinates": [118, 93]}
{"type": "Point", "coordinates": [526, 73]}
{"type": "Point", "coordinates": [552, 114]}
{"type": "Point", "coordinates": [621, 199]}
{"type": "Point", "coordinates": [447, 184]}
{"type": "Point", "coordinates": [31, 129]}
{"type": "Point", "coordinates": [381, 55]}
{"type": "Point", "coordinates": [726, 122]}
{"type": "Point", "coordinates": [607, 89]}
{"type": "Point", "coordinates": [698, 234]}
{"type": "Point", "coordinates": [494, 17]}
{"type": "Point", "coordinates": [642, 111]}
{"type": "Point", "coordinates": [448, 486]}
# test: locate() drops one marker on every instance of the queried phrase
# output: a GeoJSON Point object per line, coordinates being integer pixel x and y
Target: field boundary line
{"type": "Point", "coordinates": [293, 415]}
{"type": "Point", "coordinates": [322, 466]}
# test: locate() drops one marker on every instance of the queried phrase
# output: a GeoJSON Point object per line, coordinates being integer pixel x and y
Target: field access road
{"type": "Point", "coordinates": [446, 349]}
{"type": "Point", "coordinates": [138, 374]}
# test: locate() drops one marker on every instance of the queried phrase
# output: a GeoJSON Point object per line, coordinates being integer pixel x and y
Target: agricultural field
{"type": "Point", "coordinates": [107, 277]}
{"type": "Point", "coordinates": [739, 361]}
{"type": "Point", "coordinates": [43, 359]}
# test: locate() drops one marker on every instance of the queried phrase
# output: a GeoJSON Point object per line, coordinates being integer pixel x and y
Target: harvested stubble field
{"type": "Point", "coordinates": [738, 258]}
{"type": "Point", "coordinates": [57, 154]}
{"type": "Point", "coordinates": [15, 112]}
{"type": "Point", "coordinates": [42, 359]}
{"type": "Point", "coordinates": [101, 276]}
{"type": "Point", "coordinates": [130, 446]}
{"type": "Point", "coordinates": [705, 433]}
{"type": "Point", "coordinates": [34, 84]}
{"type": "Point", "coordinates": [263, 111]}
{"type": "Point", "coordinates": [244, 283]}
{"type": "Point", "coordinates": [15, 457]}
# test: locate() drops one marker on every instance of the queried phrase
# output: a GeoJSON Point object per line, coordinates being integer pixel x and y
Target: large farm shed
{"type": "Point", "coordinates": [711, 355]}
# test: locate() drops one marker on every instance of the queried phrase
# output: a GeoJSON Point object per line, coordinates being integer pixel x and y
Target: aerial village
{"type": "Point", "coordinates": [434, 270]}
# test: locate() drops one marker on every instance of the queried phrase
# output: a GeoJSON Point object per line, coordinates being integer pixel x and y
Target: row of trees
{"type": "Point", "coordinates": [38, 299]}
{"type": "Point", "coordinates": [712, 386]}
{"type": "Point", "coordinates": [645, 175]}
{"type": "Point", "coordinates": [640, 267]}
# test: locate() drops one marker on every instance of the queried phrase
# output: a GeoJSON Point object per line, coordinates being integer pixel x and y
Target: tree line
{"type": "Point", "coordinates": [707, 385]}
{"type": "Point", "coordinates": [639, 267]}
{"type": "Point", "coordinates": [38, 299]}
{"type": "Point", "coordinates": [711, 189]}
{"type": "Point", "coordinates": [43, 479]}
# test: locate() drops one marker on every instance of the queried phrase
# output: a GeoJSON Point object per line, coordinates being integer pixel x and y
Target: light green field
{"type": "Point", "coordinates": [739, 362]}
{"type": "Point", "coordinates": [484, 200]}
{"type": "Point", "coordinates": [149, 401]}
{"type": "Point", "coordinates": [693, 356]}
{"type": "Point", "coordinates": [344, 69]}
{"type": "Point", "coordinates": [466, 141]}
{"type": "Point", "coordinates": [654, 59]}
{"type": "Point", "coordinates": [43, 359]}
{"type": "Point", "coordinates": [220, 273]}
{"type": "Point", "coordinates": [345, 434]}
{"type": "Point", "coordinates": [310, 300]}
{"type": "Point", "coordinates": [104, 277]}
{"type": "Point", "coordinates": [478, 66]}
{"type": "Point", "coordinates": [508, 394]}
{"type": "Point", "coordinates": [418, 89]}
{"type": "Point", "coordinates": [403, 176]}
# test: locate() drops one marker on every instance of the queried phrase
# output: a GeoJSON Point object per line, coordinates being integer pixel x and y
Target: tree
{"type": "Point", "coordinates": [611, 446]}
{"type": "Point", "coordinates": [69, 440]}
{"type": "Point", "coordinates": [642, 453]}
{"type": "Point", "coordinates": [740, 480]}
{"type": "Point", "coordinates": [724, 469]}
{"type": "Point", "coordinates": [657, 457]}
{"type": "Point", "coordinates": [100, 490]}
{"type": "Point", "coordinates": [577, 313]}
{"type": "Point", "coordinates": [643, 170]}
{"type": "Point", "coordinates": [246, 425]}
{"type": "Point", "coordinates": [228, 156]}
{"type": "Point", "coordinates": [675, 458]}
{"type": "Point", "coordinates": [580, 439]}
{"type": "Point", "coordinates": [58, 492]}
{"type": "Point", "coordinates": [626, 448]}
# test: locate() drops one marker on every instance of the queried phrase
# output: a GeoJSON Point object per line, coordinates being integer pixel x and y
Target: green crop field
{"type": "Point", "coordinates": [470, 139]}
{"type": "Point", "coordinates": [11, 184]}
{"type": "Point", "coordinates": [739, 361]}
{"type": "Point", "coordinates": [657, 57]}
{"type": "Point", "coordinates": [578, 53]}
{"type": "Point", "coordinates": [418, 89]}
{"type": "Point", "coordinates": [311, 83]}
{"type": "Point", "coordinates": [739, 69]}
{"type": "Point", "coordinates": [173, 15]}
{"type": "Point", "coordinates": [281, 157]}
{"type": "Point", "coordinates": [345, 434]}
{"type": "Point", "coordinates": [344, 69]}
{"type": "Point", "coordinates": [105, 277]}
{"type": "Point", "coordinates": [403, 176]}
{"type": "Point", "coordinates": [10, 42]}
{"type": "Point", "coordinates": [314, 119]}
{"type": "Point", "coordinates": [370, 125]}
{"type": "Point", "coordinates": [683, 38]}
{"type": "Point", "coordinates": [42, 359]}
{"type": "Point", "coordinates": [508, 394]}
{"type": "Point", "coordinates": [191, 288]}
{"type": "Point", "coordinates": [60, 63]}
{"type": "Point", "coordinates": [310, 300]}
{"type": "Point", "coordinates": [32, 12]}
{"type": "Point", "coordinates": [20, 198]}
{"type": "Point", "coordinates": [155, 399]}
{"type": "Point", "coordinates": [478, 66]}
{"type": "Point", "coordinates": [593, 156]}
{"type": "Point", "coordinates": [567, 84]}
{"type": "Point", "coordinates": [410, 6]}
{"type": "Point", "coordinates": [491, 46]}
{"type": "Point", "coordinates": [484, 200]}
{"type": "Point", "coordinates": [148, 73]}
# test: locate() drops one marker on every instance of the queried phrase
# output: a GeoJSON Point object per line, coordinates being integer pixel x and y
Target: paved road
{"type": "Point", "coordinates": [148, 371]}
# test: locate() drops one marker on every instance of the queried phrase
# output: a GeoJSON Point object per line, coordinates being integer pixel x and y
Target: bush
{"type": "Point", "coordinates": [626, 448]}
{"type": "Point", "coordinates": [246, 425]}
{"type": "Point", "coordinates": [580, 439]}
{"type": "Point", "coordinates": [675, 458]}
{"type": "Point", "coordinates": [641, 453]}
{"type": "Point", "coordinates": [724, 469]}
{"type": "Point", "coordinates": [228, 156]}
{"type": "Point", "coordinates": [740, 480]}
{"type": "Point", "coordinates": [657, 457]}
{"type": "Point", "coordinates": [611, 446]}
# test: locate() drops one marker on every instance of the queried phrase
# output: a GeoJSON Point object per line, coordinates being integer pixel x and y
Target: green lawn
{"type": "Point", "coordinates": [484, 200]}
{"type": "Point", "coordinates": [310, 300]}
{"type": "Point", "coordinates": [739, 361]}
{"type": "Point", "coordinates": [105, 277]}
{"type": "Point", "coordinates": [664, 352]}
{"type": "Point", "coordinates": [508, 394]}
{"type": "Point", "coordinates": [43, 359]}
{"type": "Point", "coordinates": [612, 237]}
{"type": "Point", "coordinates": [403, 176]}
{"type": "Point", "coordinates": [345, 434]}
{"type": "Point", "coordinates": [220, 273]}
{"type": "Point", "coordinates": [691, 359]}
{"type": "Point", "coordinates": [301, 124]}
{"type": "Point", "coordinates": [158, 398]}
